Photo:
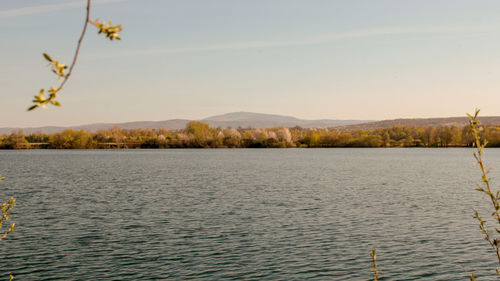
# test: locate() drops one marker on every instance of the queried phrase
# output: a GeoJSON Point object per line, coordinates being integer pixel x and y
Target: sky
{"type": "Point", "coordinates": [321, 59]}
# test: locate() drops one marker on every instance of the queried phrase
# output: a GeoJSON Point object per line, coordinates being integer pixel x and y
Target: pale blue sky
{"type": "Point", "coordinates": [311, 59]}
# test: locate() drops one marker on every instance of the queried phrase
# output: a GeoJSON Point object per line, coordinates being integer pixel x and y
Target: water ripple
{"type": "Point", "coordinates": [287, 214]}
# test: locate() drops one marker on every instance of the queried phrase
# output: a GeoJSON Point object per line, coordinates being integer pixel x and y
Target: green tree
{"type": "Point", "coordinates": [201, 132]}
{"type": "Point", "coordinates": [16, 140]}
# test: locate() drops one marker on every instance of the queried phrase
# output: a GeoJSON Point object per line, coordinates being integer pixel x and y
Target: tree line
{"type": "Point", "coordinates": [201, 135]}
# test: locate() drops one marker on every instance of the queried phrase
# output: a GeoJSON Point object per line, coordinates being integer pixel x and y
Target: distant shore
{"type": "Point", "coordinates": [232, 148]}
{"type": "Point", "coordinates": [201, 135]}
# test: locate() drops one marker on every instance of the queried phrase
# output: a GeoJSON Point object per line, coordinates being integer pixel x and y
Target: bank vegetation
{"type": "Point", "coordinates": [201, 135]}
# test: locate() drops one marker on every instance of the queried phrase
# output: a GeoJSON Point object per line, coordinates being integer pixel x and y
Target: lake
{"type": "Point", "coordinates": [245, 214]}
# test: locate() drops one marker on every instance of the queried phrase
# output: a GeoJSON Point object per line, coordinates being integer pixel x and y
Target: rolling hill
{"type": "Point", "coordinates": [411, 122]}
{"type": "Point", "coordinates": [234, 119]}
{"type": "Point", "coordinates": [261, 120]}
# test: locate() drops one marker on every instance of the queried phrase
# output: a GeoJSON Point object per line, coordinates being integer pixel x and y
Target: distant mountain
{"type": "Point", "coordinates": [261, 120]}
{"type": "Point", "coordinates": [433, 122]}
{"type": "Point", "coordinates": [234, 119]}
{"type": "Point", "coordinates": [174, 124]}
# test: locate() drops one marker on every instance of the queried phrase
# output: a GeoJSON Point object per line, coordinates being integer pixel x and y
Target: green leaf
{"type": "Point", "coordinates": [47, 57]}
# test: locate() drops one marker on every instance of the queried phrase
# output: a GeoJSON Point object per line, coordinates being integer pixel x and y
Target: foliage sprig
{"type": "Point", "coordinates": [57, 67]}
{"type": "Point", "coordinates": [111, 31]}
{"type": "Point", "coordinates": [5, 209]}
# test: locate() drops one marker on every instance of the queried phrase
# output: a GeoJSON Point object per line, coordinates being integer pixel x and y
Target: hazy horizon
{"type": "Point", "coordinates": [193, 59]}
{"type": "Point", "coordinates": [201, 118]}
{"type": "Point", "coordinates": [207, 117]}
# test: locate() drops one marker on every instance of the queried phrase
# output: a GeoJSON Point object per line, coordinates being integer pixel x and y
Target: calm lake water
{"type": "Point", "coordinates": [270, 214]}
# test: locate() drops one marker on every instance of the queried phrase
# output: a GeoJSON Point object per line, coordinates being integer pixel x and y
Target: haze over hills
{"type": "Point", "coordinates": [260, 120]}
{"type": "Point", "coordinates": [173, 124]}
{"type": "Point", "coordinates": [411, 122]}
{"type": "Point", "coordinates": [234, 119]}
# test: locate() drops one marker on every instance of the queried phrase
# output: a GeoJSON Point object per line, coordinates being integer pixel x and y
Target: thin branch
{"type": "Point", "coordinates": [111, 32]}
{"type": "Point", "coordinates": [486, 188]}
{"type": "Point", "coordinates": [58, 69]}
{"type": "Point", "coordinates": [77, 51]}
{"type": "Point", "coordinates": [11, 229]}
{"type": "Point", "coordinates": [376, 273]}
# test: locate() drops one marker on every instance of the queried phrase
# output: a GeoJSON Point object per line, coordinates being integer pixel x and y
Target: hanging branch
{"type": "Point", "coordinates": [58, 68]}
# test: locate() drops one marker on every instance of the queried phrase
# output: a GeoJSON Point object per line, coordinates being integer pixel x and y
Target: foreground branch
{"type": "Point", "coordinates": [485, 188]}
{"type": "Point", "coordinates": [58, 68]}
{"type": "Point", "coordinates": [376, 273]}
